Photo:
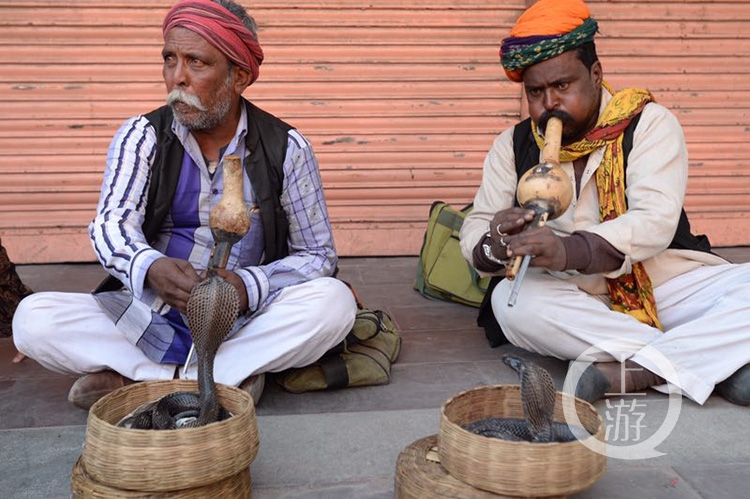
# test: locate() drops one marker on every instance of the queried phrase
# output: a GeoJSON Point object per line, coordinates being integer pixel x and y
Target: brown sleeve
{"type": "Point", "coordinates": [590, 254]}
{"type": "Point", "coordinates": [481, 262]}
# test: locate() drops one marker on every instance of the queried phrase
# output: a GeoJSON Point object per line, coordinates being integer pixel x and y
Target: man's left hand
{"type": "Point", "coordinates": [543, 244]}
{"type": "Point", "coordinates": [236, 281]}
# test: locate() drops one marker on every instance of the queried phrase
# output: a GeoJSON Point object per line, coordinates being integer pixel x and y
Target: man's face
{"type": "Point", "coordinates": [201, 87]}
{"type": "Point", "coordinates": [565, 88]}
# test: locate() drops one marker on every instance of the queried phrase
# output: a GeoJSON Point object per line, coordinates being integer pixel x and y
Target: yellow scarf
{"type": "Point", "coordinates": [631, 293]}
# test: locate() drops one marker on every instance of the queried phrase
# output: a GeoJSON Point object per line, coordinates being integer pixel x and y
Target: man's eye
{"type": "Point", "coordinates": [196, 62]}
{"type": "Point", "coordinates": [563, 86]}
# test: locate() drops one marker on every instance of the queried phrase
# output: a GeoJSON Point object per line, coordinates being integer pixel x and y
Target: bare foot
{"type": "Point", "coordinates": [18, 358]}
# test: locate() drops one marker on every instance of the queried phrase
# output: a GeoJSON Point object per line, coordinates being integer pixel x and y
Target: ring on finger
{"type": "Point", "coordinates": [502, 241]}
{"type": "Point", "coordinates": [500, 233]}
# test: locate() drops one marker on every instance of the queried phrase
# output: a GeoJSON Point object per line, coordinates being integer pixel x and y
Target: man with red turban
{"type": "Point", "coordinates": [618, 276]}
{"type": "Point", "coordinates": [164, 173]}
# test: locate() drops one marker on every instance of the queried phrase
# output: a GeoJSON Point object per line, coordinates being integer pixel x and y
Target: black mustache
{"type": "Point", "coordinates": [544, 118]}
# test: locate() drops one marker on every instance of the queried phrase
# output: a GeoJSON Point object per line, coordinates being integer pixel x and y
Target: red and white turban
{"type": "Point", "coordinates": [220, 28]}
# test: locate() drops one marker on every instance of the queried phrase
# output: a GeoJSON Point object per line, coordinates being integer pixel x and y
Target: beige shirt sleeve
{"type": "Point", "coordinates": [496, 192]}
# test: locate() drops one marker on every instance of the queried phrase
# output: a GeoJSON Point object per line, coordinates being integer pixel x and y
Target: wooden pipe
{"type": "Point", "coordinates": [547, 190]}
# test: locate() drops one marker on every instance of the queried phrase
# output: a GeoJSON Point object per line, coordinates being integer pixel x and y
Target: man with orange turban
{"type": "Point", "coordinates": [617, 277]}
{"type": "Point", "coordinates": [164, 173]}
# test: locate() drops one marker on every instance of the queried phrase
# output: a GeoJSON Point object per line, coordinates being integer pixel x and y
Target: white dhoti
{"type": "Point", "coordinates": [705, 314]}
{"type": "Point", "coordinates": [69, 333]}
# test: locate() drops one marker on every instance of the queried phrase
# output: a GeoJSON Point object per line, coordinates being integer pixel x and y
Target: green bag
{"type": "Point", "coordinates": [363, 358]}
{"type": "Point", "coordinates": [442, 271]}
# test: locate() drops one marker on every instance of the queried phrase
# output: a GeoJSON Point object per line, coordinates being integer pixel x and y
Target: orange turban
{"type": "Point", "coordinates": [545, 30]}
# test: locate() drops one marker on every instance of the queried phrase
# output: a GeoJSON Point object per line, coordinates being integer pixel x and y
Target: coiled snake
{"type": "Point", "coordinates": [212, 308]}
{"type": "Point", "coordinates": [538, 402]}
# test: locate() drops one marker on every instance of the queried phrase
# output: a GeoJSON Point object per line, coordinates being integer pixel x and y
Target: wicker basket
{"type": "Point", "coordinates": [82, 486]}
{"type": "Point", "coordinates": [516, 468]}
{"type": "Point", "coordinates": [165, 460]}
{"type": "Point", "coordinates": [420, 475]}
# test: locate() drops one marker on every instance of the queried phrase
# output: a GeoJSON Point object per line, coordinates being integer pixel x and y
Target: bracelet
{"type": "Point", "coordinates": [487, 248]}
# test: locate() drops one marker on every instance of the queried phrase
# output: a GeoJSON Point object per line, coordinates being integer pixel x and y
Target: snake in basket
{"type": "Point", "coordinates": [212, 308]}
{"type": "Point", "coordinates": [538, 402]}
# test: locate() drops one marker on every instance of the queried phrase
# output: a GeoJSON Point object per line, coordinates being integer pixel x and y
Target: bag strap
{"type": "Point", "coordinates": [452, 219]}
{"type": "Point", "coordinates": [335, 372]}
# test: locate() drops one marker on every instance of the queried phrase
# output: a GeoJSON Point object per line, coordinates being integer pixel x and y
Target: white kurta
{"type": "Point", "coordinates": [702, 302]}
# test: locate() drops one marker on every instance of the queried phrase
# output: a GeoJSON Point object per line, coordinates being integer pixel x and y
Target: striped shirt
{"type": "Point", "coordinates": [122, 249]}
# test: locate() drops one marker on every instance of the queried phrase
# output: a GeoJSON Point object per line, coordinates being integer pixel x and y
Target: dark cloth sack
{"type": "Point", "coordinates": [12, 291]}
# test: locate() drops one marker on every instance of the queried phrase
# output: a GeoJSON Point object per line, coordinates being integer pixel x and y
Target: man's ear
{"type": "Point", "coordinates": [597, 74]}
{"type": "Point", "coordinates": [242, 78]}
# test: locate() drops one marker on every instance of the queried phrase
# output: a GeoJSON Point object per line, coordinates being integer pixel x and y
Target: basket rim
{"type": "Point", "coordinates": [95, 410]}
{"type": "Point", "coordinates": [516, 467]}
{"type": "Point", "coordinates": [517, 388]}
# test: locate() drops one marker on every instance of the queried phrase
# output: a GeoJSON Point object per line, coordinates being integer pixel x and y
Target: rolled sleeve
{"type": "Point", "coordinates": [141, 262]}
{"type": "Point", "coordinates": [257, 286]}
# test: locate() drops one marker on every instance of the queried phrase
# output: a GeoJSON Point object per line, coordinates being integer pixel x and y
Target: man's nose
{"type": "Point", "coordinates": [551, 100]}
{"type": "Point", "coordinates": [179, 74]}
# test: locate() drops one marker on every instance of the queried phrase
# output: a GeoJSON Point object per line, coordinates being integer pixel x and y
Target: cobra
{"type": "Point", "coordinates": [538, 402]}
{"type": "Point", "coordinates": [212, 309]}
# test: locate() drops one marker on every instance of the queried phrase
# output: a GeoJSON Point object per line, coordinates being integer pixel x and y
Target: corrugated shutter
{"type": "Point", "coordinates": [693, 56]}
{"type": "Point", "coordinates": [401, 101]}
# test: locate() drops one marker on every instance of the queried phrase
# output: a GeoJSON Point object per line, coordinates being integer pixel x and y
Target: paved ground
{"type": "Point", "coordinates": [344, 444]}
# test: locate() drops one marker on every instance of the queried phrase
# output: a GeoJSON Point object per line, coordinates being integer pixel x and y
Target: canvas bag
{"type": "Point", "coordinates": [442, 271]}
{"type": "Point", "coordinates": [364, 358]}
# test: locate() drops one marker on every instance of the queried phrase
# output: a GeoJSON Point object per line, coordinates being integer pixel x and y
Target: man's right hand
{"type": "Point", "coordinates": [173, 280]}
{"type": "Point", "coordinates": [509, 222]}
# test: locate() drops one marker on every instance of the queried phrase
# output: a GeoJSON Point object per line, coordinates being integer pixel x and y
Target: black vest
{"type": "Point", "coordinates": [527, 156]}
{"type": "Point", "coordinates": [267, 138]}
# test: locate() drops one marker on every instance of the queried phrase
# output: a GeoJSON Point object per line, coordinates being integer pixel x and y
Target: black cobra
{"type": "Point", "coordinates": [538, 402]}
{"type": "Point", "coordinates": [211, 311]}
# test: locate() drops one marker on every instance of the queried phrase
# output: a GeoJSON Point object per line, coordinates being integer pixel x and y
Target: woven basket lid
{"type": "Point", "coordinates": [419, 475]}
{"type": "Point", "coordinates": [82, 486]}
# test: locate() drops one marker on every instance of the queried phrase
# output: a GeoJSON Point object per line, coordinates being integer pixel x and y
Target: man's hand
{"type": "Point", "coordinates": [509, 222]}
{"type": "Point", "coordinates": [543, 244]}
{"type": "Point", "coordinates": [236, 281]}
{"type": "Point", "coordinates": [173, 280]}
{"type": "Point", "coordinates": [507, 231]}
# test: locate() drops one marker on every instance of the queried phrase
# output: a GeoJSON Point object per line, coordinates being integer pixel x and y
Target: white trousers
{"type": "Point", "coordinates": [705, 314]}
{"type": "Point", "coordinates": [69, 333]}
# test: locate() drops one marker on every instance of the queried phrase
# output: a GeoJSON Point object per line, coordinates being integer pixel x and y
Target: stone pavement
{"type": "Point", "coordinates": [344, 444]}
